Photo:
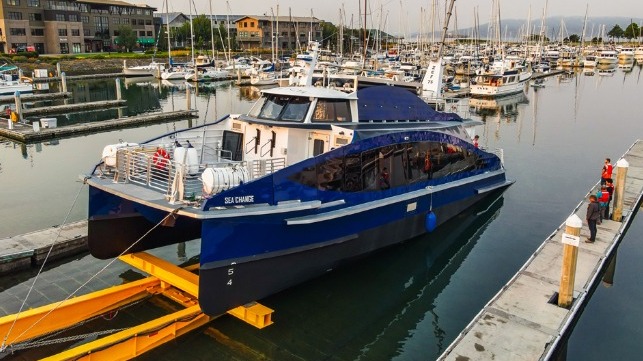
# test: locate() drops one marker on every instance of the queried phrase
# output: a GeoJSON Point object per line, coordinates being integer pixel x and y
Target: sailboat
{"type": "Point", "coordinates": [180, 72]}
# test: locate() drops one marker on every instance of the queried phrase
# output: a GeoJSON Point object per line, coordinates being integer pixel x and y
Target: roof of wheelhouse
{"type": "Point", "coordinates": [315, 92]}
{"type": "Point", "coordinates": [389, 103]}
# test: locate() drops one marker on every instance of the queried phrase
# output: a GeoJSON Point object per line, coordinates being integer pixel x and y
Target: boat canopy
{"type": "Point", "coordinates": [385, 103]}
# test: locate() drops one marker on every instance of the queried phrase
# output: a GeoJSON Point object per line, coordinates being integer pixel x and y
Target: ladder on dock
{"type": "Point", "coordinates": [178, 284]}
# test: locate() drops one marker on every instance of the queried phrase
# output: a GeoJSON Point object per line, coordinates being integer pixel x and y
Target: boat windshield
{"type": "Point", "coordinates": [280, 107]}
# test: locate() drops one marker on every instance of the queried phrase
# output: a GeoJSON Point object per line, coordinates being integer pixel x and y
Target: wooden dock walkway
{"type": "Point", "coordinates": [25, 133]}
{"type": "Point", "coordinates": [10, 99]}
{"type": "Point", "coordinates": [519, 322]}
{"type": "Point", "coordinates": [67, 108]}
{"type": "Point", "coordinates": [30, 249]}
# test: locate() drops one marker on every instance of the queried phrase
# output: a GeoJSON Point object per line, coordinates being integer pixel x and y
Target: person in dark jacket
{"type": "Point", "coordinates": [610, 189]}
{"type": "Point", "coordinates": [593, 216]}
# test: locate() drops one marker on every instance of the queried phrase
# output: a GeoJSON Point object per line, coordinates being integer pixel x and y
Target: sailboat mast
{"type": "Point", "coordinates": [364, 46]}
{"type": "Point", "coordinates": [444, 28]}
{"type": "Point", "coordinates": [192, 32]}
{"type": "Point", "coordinates": [167, 28]}
{"type": "Point", "coordinates": [211, 30]}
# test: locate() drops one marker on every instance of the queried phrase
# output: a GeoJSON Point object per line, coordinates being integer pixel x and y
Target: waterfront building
{"type": "Point", "coordinates": [291, 32]}
{"type": "Point", "coordinates": [70, 26]}
{"type": "Point", "coordinates": [177, 19]}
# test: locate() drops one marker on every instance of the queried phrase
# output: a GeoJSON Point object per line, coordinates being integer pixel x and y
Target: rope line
{"type": "Point", "coordinates": [90, 279]}
{"type": "Point", "coordinates": [42, 266]}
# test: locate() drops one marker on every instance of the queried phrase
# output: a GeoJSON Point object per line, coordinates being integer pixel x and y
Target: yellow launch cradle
{"type": "Point", "coordinates": [167, 279]}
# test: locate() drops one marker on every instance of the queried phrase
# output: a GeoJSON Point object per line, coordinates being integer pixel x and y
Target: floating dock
{"type": "Point", "coordinates": [10, 99]}
{"type": "Point", "coordinates": [520, 322]}
{"type": "Point", "coordinates": [25, 133]}
{"type": "Point", "coordinates": [79, 77]}
{"type": "Point", "coordinates": [30, 249]}
{"type": "Point", "coordinates": [67, 108]}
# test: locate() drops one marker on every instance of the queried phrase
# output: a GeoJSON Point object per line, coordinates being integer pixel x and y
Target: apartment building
{"type": "Point", "coordinates": [290, 32]}
{"type": "Point", "coordinates": [71, 26]}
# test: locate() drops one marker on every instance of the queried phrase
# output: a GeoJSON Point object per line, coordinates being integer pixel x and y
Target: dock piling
{"type": "Point", "coordinates": [63, 80]}
{"type": "Point", "coordinates": [58, 72]}
{"type": "Point", "coordinates": [188, 97]}
{"type": "Point", "coordinates": [571, 241]}
{"type": "Point", "coordinates": [18, 105]}
{"type": "Point", "coordinates": [619, 189]}
{"type": "Point", "coordinates": [119, 96]}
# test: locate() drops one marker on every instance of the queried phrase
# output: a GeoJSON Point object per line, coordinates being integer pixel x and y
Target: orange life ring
{"type": "Point", "coordinates": [161, 159]}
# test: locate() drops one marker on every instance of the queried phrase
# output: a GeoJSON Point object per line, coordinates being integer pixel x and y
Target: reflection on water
{"type": "Point", "coordinates": [376, 309]}
{"type": "Point", "coordinates": [505, 107]}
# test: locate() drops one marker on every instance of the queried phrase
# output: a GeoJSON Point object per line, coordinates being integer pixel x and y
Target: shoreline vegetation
{"type": "Point", "coordinates": [97, 63]}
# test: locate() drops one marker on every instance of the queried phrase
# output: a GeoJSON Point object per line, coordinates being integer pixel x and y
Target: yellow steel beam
{"type": "Point", "coordinates": [73, 311]}
{"type": "Point", "coordinates": [132, 342]}
{"type": "Point", "coordinates": [254, 314]}
{"type": "Point", "coordinates": [165, 271]}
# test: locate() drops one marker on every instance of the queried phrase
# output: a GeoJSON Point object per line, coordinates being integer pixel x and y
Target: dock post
{"type": "Point", "coordinates": [18, 105]}
{"type": "Point", "coordinates": [571, 241]}
{"type": "Point", "coordinates": [619, 189]}
{"type": "Point", "coordinates": [118, 89]}
{"type": "Point", "coordinates": [63, 80]}
{"type": "Point", "coordinates": [158, 71]}
{"type": "Point", "coordinates": [20, 74]}
{"type": "Point", "coordinates": [188, 97]}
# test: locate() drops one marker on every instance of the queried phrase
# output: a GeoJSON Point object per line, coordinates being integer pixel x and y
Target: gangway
{"type": "Point", "coordinates": [181, 285]}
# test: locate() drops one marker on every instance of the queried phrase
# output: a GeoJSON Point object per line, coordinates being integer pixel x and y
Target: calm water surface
{"type": "Point", "coordinates": [405, 303]}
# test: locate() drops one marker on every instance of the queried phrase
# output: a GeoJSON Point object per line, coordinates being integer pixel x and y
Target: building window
{"type": "Point", "coordinates": [14, 15]}
{"type": "Point", "coordinates": [87, 32]}
{"type": "Point", "coordinates": [252, 24]}
{"type": "Point", "coordinates": [60, 17]}
{"type": "Point", "coordinates": [75, 32]}
{"type": "Point", "coordinates": [37, 32]}
{"type": "Point", "coordinates": [13, 2]}
{"type": "Point", "coordinates": [116, 20]}
{"type": "Point", "coordinates": [245, 24]}
{"type": "Point", "coordinates": [62, 32]}
{"type": "Point", "coordinates": [117, 33]}
{"type": "Point", "coordinates": [75, 48]}
{"type": "Point", "coordinates": [35, 17]}
{"type": "Point", "coordinates": [125, 21]}
{"type": "Point", "coordinates": [148, 22]}
{"type": "Point", "coordinates": [64, 48]}
{"type": "Point", "coordinates": [73, 18]}
{"type": "Point", "coordinates": [33, 3]}
{"type": "Point", "coordinates": [149, 33]}
{"type": "Point", "coordinates": [141, 33]}
{"type": "Point", "coordinates": [17, 31]}
{"type": "Point", "coordinates": [84, 19]}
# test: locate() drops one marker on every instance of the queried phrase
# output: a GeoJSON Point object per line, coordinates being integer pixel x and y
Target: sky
{"type": "Point", "coordinates": [403, 16]}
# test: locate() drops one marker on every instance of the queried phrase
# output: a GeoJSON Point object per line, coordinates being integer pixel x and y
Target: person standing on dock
{"type": "Point", "coordinates": [607, 171]}
{"type": "Point", "coordinates": [603, 199]}
{"type": "Point", "coordinates": [475, 140]}
{"type": "Point", "coordinates": [593, 216]}
{"type": "Point", "coordinates": [609, 185]}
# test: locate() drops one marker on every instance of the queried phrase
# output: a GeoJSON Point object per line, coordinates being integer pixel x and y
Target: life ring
{"type": "Point", "coordinates": [161, 159]}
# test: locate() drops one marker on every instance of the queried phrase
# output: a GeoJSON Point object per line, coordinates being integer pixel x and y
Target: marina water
{"type": "Point", "coordinates": [407, 302]}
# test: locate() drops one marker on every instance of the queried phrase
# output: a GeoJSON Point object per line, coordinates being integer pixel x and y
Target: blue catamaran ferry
{"type": "Point", "coordinates": [309, 179]}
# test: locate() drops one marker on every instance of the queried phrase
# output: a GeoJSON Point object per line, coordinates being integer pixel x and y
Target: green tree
{"type": "Point", "coordinates": [329, 35]}
{"type": "Point", "coordinates": [574, 38]}
{"type": "Point", "coordinates": [616, 32]}
{"type": "Point", "coordinates": [632, 31]}
{"type": "Point", "coordinates": [126, 38]}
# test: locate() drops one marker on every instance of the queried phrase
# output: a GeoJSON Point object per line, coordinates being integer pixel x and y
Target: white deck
{"type": "Point", "coordinates": [518, 323]}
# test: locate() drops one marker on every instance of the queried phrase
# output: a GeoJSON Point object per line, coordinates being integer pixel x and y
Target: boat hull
{"type": "Point", "coordinates": [505, 89]}
{"type": "Point", "coordinates": [228, 284]}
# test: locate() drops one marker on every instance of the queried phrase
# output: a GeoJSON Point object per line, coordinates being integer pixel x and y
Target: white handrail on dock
{"type": "Point", "coordinates": [519, 322]}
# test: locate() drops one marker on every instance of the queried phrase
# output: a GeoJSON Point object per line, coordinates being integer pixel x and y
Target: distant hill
{"type": "Point", "coordinates": [511, 28]}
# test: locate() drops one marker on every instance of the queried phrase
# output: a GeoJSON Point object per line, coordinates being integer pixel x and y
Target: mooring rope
{"type": "Point", "coordinates": [42, 266]}
{"type": "Point", "coordinates": [3, 347]}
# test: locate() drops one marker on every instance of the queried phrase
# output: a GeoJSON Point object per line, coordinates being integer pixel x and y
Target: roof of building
{"type": "Point", "coordinates": [116, 3]}
{"type": "Point", "coordinates": [170, 16]}
{"type": "Point", "coordinates": [295, 19]}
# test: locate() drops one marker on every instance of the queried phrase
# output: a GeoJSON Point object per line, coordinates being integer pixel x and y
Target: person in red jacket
{"type": "Point", "coordinates": [607, 171]}
{"type": "Point", "coordinates": [603, 199]}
